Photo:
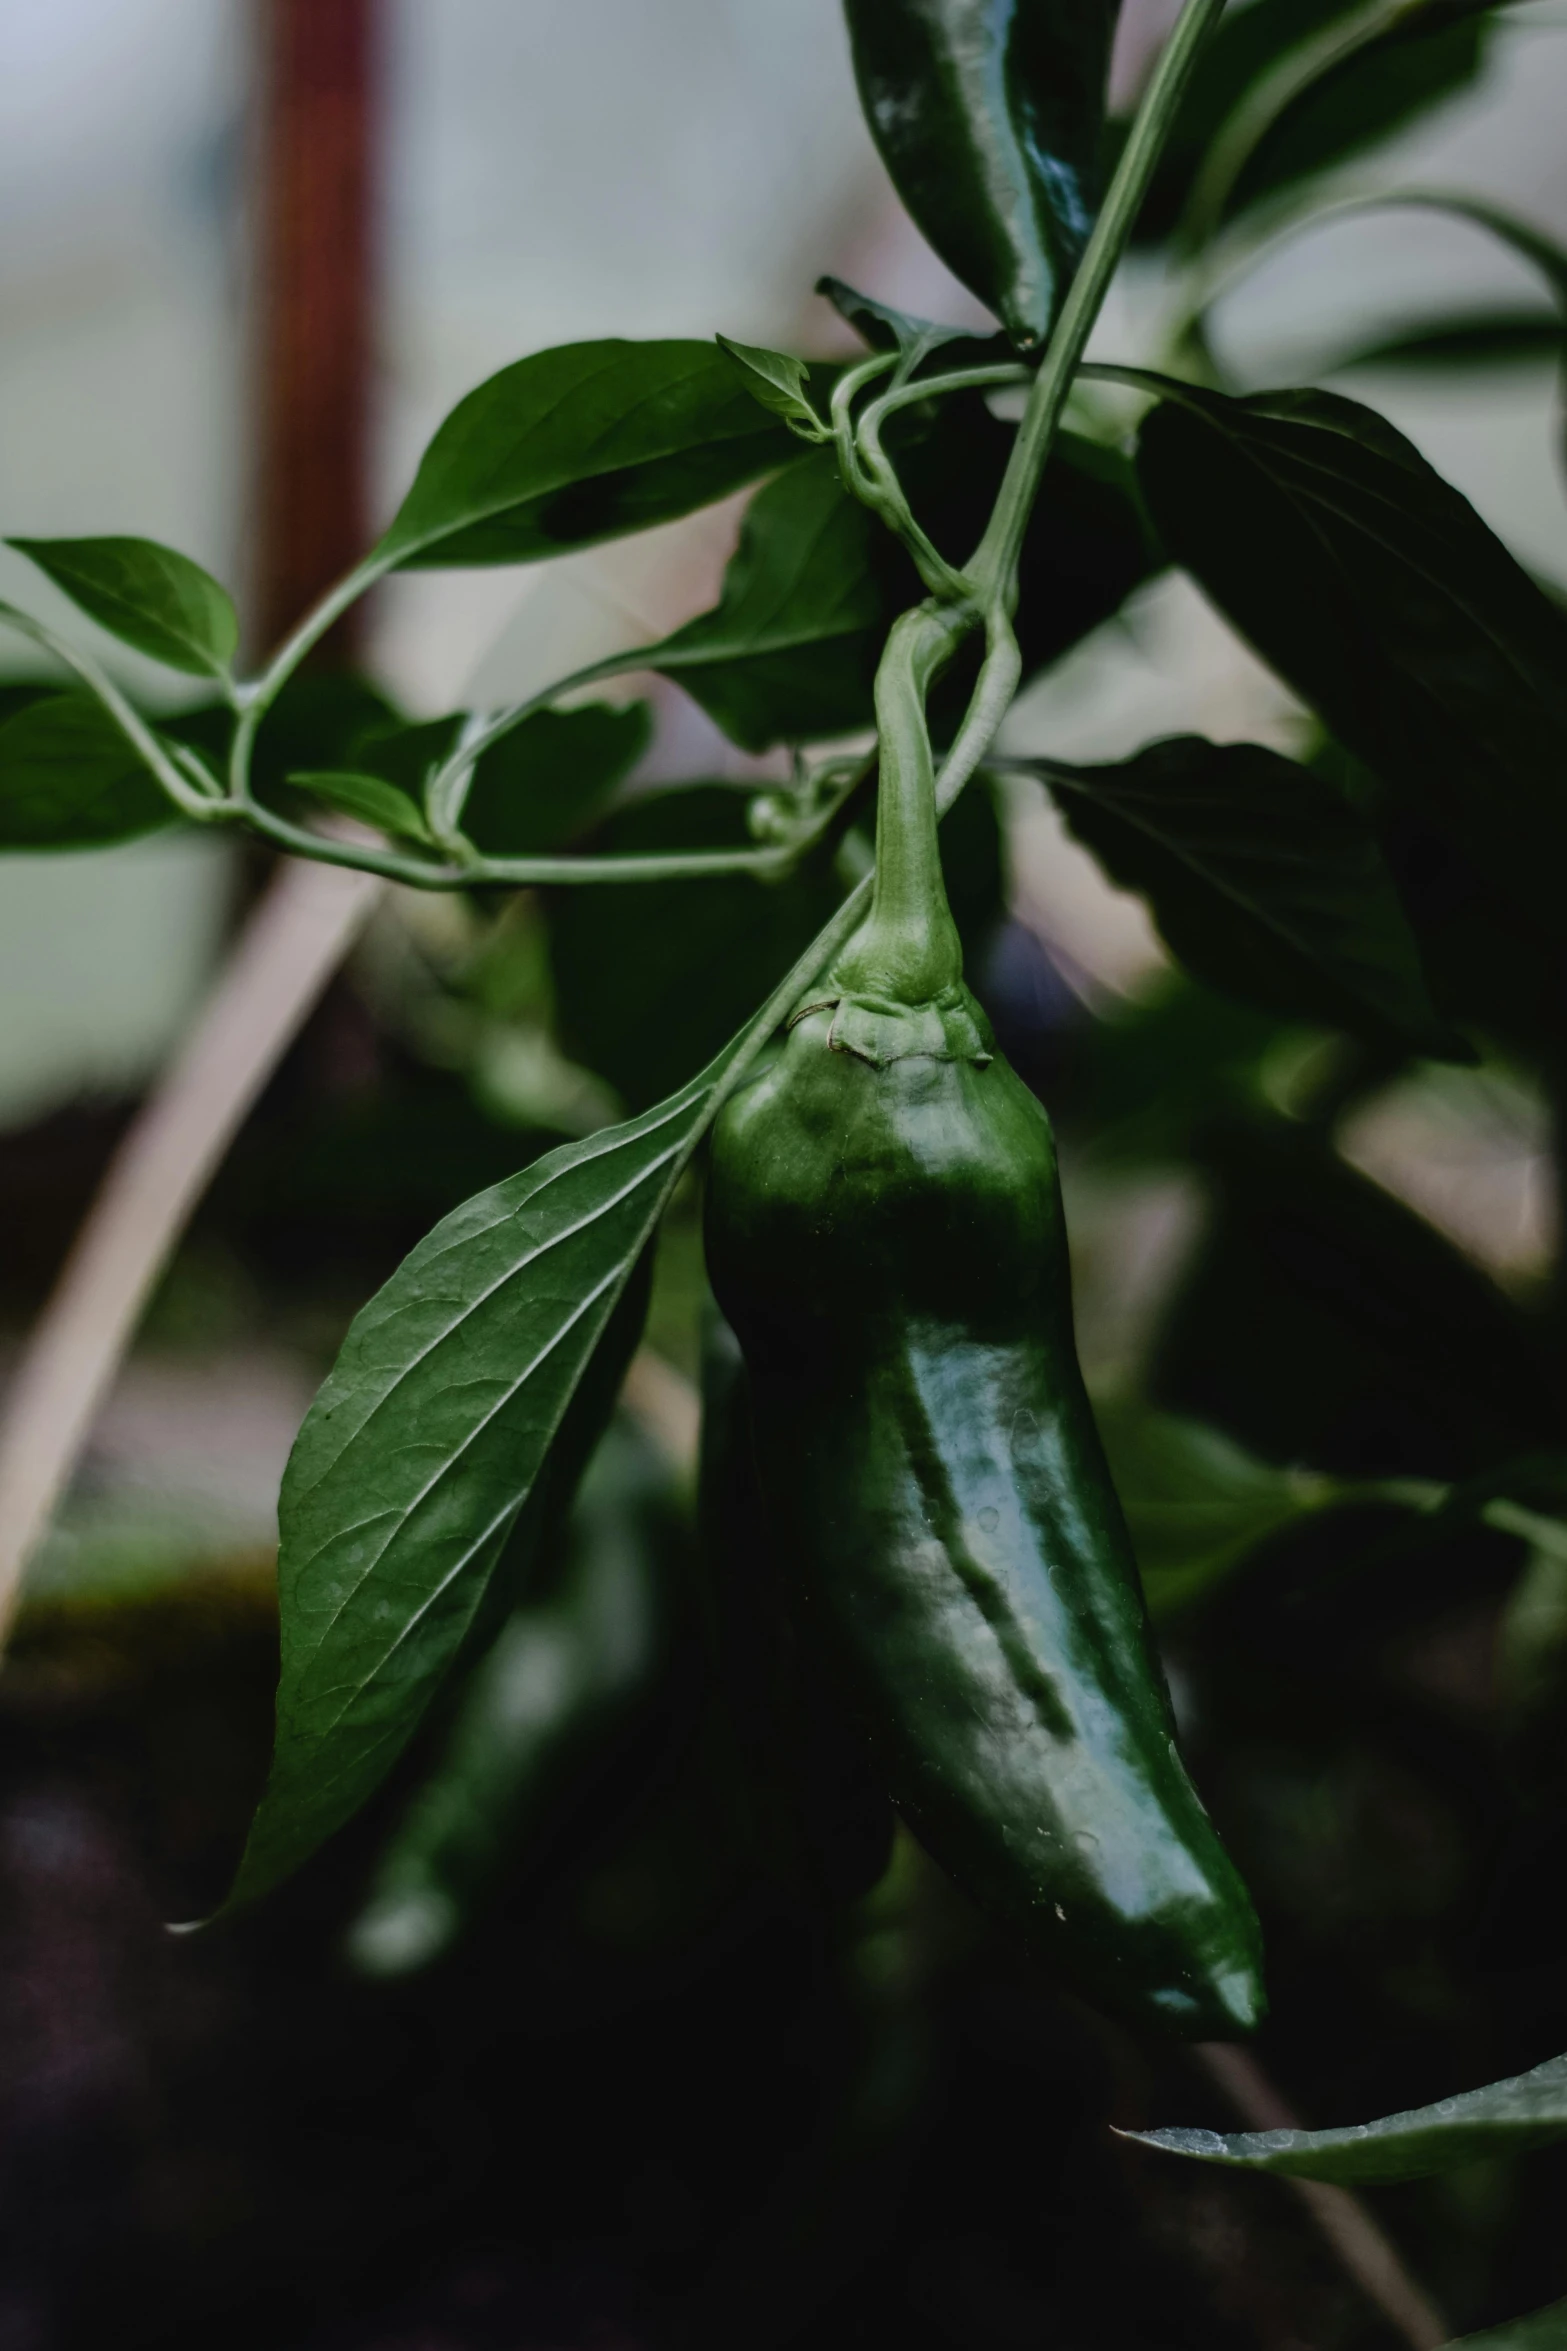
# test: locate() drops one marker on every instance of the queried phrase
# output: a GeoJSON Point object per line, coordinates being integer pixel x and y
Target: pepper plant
{"type": "Point", "coordinates": [908, 562]}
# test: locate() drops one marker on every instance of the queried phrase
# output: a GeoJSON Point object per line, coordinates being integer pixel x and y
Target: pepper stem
{"type": "Point", "coordinates": [908, 948]}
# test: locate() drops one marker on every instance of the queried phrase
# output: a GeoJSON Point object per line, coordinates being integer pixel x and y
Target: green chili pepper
{"type": "Point", "coordinates": [885, 1234]}
{"type": "Point", "coordinates": [988, 115]}
{"type": "Point", "coordinates": [817, 1823]}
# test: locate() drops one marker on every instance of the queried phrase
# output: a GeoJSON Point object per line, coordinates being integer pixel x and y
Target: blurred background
{"type": "Point", "coordinates": [249, 256]}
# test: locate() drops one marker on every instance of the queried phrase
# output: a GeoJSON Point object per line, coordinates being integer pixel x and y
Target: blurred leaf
{"type": "Point", "coordinates": [789, 652]}
{"type": "Point", "coordinates": [146, 595]}
{"type": "Point", "coordinates": [777, 381]}
{"type": "Point", "coordinates": [1542, 2330]}
{"type": "Point", "coordinates": [989, 122]}
{"type": "Point", "coordinates": [1486, 338]}
{"type": "Point", "coordinates": [1375, 590]}
{"type": "Point", "coordinates": [69, 779]}
{"type": "Point", "coordinates": [1155, 1071]}
{"type": "Point", "coordinates": [1263, 879]}
{"type": "Point", "coordinates": [367, 797]}
{"type": "Point", "coordinates": [1321, 1320]}
{"type": "Point", "coordinates": [1196, 1502]}
{"type": "Point", "coordinates": [1507, 2118]}
{"type": "Point", "coordinates": [649, 981]}
{"type": "Point", "coordinates": [1374, 93]}
{"type": "Point", "coordinates": [560, 1678]}
{"type": "Point", "coordinates": [585, 442]}
{"type": "Point", "coordinates": [538, 787]}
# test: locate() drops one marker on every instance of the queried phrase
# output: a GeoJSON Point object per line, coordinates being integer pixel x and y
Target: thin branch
{"type": "Point", "coordinates": [293, 942]}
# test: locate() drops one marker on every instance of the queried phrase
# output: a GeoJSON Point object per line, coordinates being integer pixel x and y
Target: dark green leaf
{"type": "Point", "coordinates": [789, 651]}
{"type": "Point", "coordinates": [777, 382]}
{"type": "Point", "coordinates": [1263, 879]}
{"type": "Point", "coordinates": [1542, 2330]}
{"type": "Point", "coordinates": [538, 787]}
{"type": "Point", "coordinates": [1322, 1320]}
{"type": "Point", "coordinates": [1488, 338]}
{"type": "Point", "coordinates": [1507, 2118]}
{"type": "Point", "coordinates": [989, 121]}
{"type": "Point", "coordinates": [1377, 592]}
{"type": "Point", "coordinates": [585, 442]}
{"type": "Point", "coordinates": [367, 797]}
{"type": "Point", "coordinates": [69, 779]}
{"type": "Point", "coordinates": [148, 596]}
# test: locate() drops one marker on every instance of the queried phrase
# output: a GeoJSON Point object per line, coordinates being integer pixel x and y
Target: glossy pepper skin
{"type": "Point", "coordinates": [885, 1234]}
{"type": "Point", "coordinates": [987, 115]}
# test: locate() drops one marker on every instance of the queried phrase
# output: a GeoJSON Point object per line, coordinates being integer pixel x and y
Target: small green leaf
{"type": "Point", "coordinates": [585, 442]}
{"type": "Point", "coordinates": [148, 596]}
{"type": "Point", "coordinates": [1378, 593]}
{"type": "Point", "coordinates": [778, 382]}
{"type": "Point", "coordinates": [1542, 2330]}
{"type": "Point", "coordinates": [1263, 879]}
{"type": "Point", "coordinates": [69, 779]}
{"type": "Point", "coordinates": [886, 329]}
{"type": "Point", "coordinates": [368, 797]}
{"type": "Point", "coordinates": [789, 651]}
{"type": "Point", "coordinates": [1507, 2118]}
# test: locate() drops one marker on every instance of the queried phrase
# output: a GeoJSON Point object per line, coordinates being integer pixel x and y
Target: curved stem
{"type": "Point", "coordinates": [844, 393]}
{"type": "Point", "coordinates": [939, 575]}
{"type": "Point", "coordinates": [202, 806]}
{"type": "Point", "coordinates": [447, 790]}
{"type": "Point", "coordinates": [909, 948]}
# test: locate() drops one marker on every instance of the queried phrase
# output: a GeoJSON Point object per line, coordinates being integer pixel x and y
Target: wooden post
{"type": "Point", "coordinates": [316, 203]}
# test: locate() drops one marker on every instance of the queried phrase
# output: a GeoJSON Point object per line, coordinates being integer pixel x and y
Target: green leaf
{"type": "Point", "coordinates": [789, 651]}
{"type": "Point", "coordinates": [367, 797]}
{"type": "Point", "coordinates": [1507, 2118]}
{"type": "Point", "coordinates": [1262, 877]}
{"type": "Point", "coordinates": [534, 790]}
{"type": "Point", "coordinates": [1542, 2330]}
{"type": "Point", "coordinates": [1197, 1503]}
{"type": "Point", "coordinates": [1378, 593]}
{"type": "Point", "coordinates": [585, 442]}
{"type": "Point", "coordinates": [146, 595]}
{"type": "Point", "coordinates": [989, 121]}
{"type": "Point", "coordinates": [777, 381]}
{"type": "Point", "coordinates": [69, 779]}
{"type": "Point", "coordinates": [1485, 338]}
{"type": "Point", "coordinates": [494, 1345]}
